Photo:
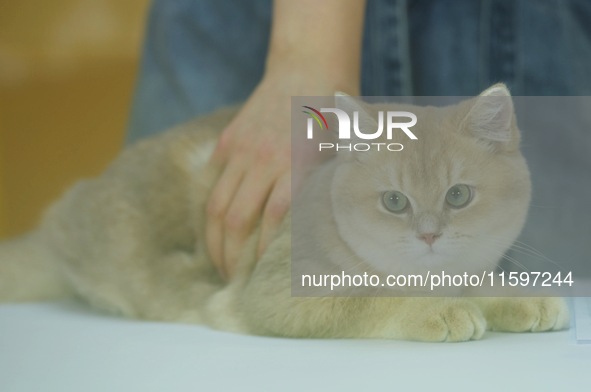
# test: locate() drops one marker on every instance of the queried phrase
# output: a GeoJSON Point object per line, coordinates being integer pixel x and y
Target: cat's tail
{"type": "Point", "coordinates": [28, 271]}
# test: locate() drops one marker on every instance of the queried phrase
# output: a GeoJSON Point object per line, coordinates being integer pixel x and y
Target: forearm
{"type": "Point", "coordinates": [320, 39]}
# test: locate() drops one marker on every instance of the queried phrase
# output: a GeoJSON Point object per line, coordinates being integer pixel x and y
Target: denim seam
{"type": "Point", "coordinates": [405, 74]}
{"type": "Point", "coordinates": [502, 45]}
{"type": "Point", "coordinates": [391, 49]}
{"type": "Point", "coordinates": [484, 44]}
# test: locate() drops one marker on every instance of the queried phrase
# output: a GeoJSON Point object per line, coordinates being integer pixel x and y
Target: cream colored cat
{"type": "Point", "coordinates": [131, 241]}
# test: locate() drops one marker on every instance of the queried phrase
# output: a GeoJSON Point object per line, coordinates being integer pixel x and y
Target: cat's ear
{"type": "Point", "coordinates": [350, 105]}
{"type": "Point", "coordinates": [492, 119]}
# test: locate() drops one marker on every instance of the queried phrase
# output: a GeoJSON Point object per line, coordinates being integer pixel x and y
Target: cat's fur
{"type": "Point", "coordinates": [131, 241]}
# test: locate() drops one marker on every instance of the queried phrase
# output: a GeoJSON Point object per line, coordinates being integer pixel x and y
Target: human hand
{"type": "Point", "coordinates": [254, 149]}
{"type": "Point", "coordinates": [255, 184]}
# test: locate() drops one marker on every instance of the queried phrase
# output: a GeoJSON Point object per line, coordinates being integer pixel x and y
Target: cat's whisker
{"type": "Point", "coordinates": [525, 246]}
{"type": "Point", "coordinates": [541, 257]}
{"type": "Point", "coordinates": [525, 250]}
{"type": "Point", "coordinates": [528, 246]}
{"type": "Point", "coordinates": [353, 267]}
{"type": "Point", "coordinates": [515, 262]}
{"type": "Point", "coordinates": [522, 247]}
{"type": "Point", "coordinates": [540, 254]}
{"type": "Point", "coordinates": [502, 255]}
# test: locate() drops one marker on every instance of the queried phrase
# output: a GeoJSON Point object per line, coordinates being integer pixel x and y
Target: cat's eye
{"type": "Point", "coordinates": [394, 201]}
{"type": "Point", "coordinates": [459, 196]}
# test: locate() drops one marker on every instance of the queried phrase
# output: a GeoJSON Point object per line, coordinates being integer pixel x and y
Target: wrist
{"type": "Point", "coordinates": [298, 81]}
{"type": "Point", "coordinates": [312, 75]}
{"type": "Point", "coordinates": [318, 42]}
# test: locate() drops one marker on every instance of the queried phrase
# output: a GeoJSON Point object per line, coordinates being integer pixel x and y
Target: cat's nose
{"type": "Point", "coordinates": [429, 238]}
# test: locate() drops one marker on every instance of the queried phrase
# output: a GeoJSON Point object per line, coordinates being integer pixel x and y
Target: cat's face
{"type": "Point", "coordinates": [453, 200]}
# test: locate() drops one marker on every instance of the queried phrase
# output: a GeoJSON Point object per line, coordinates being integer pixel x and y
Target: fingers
{"type": "Point", "coordinates": [254, 151]}
{"type": "Point", "coordinates": [235, 206]}
{"type": "Point", "coordinates": [275, 210]}
{"type": "Point", "coordinates": [218, 203]}
{"type": "Point", "coordinates": [244, 212]}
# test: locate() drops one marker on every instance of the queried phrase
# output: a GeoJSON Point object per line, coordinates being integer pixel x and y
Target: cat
{"type": "Point", "coordinates": [131, 241]}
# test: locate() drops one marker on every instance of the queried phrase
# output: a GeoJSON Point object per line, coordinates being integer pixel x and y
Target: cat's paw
{"type": "Point", "coordinates": [528, 314]}
{"type": "Point", "coordinates": [452, 321]}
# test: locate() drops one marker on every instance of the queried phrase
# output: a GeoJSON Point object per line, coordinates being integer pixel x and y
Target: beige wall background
{"type": "Point", "coordinates": [67, 71]}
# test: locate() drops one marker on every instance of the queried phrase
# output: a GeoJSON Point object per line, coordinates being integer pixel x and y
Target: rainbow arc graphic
{"type": "Point", "coordinates": [316, 115]}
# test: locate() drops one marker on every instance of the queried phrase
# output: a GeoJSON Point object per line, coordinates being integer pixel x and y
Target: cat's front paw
{"type": "Point", "coordinates": [528, 314]}
{"type": "Point", "coordinates": [452, 321]}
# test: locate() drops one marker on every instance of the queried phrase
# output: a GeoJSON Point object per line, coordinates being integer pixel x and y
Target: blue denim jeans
{"type": "Point", "coordinates": [203, 54]}
{"type": "Point", "coordinates": [200, 55]}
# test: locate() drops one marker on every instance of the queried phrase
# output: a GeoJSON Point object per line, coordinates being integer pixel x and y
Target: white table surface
{"type": "Point", "coordinates": [63, 346]}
